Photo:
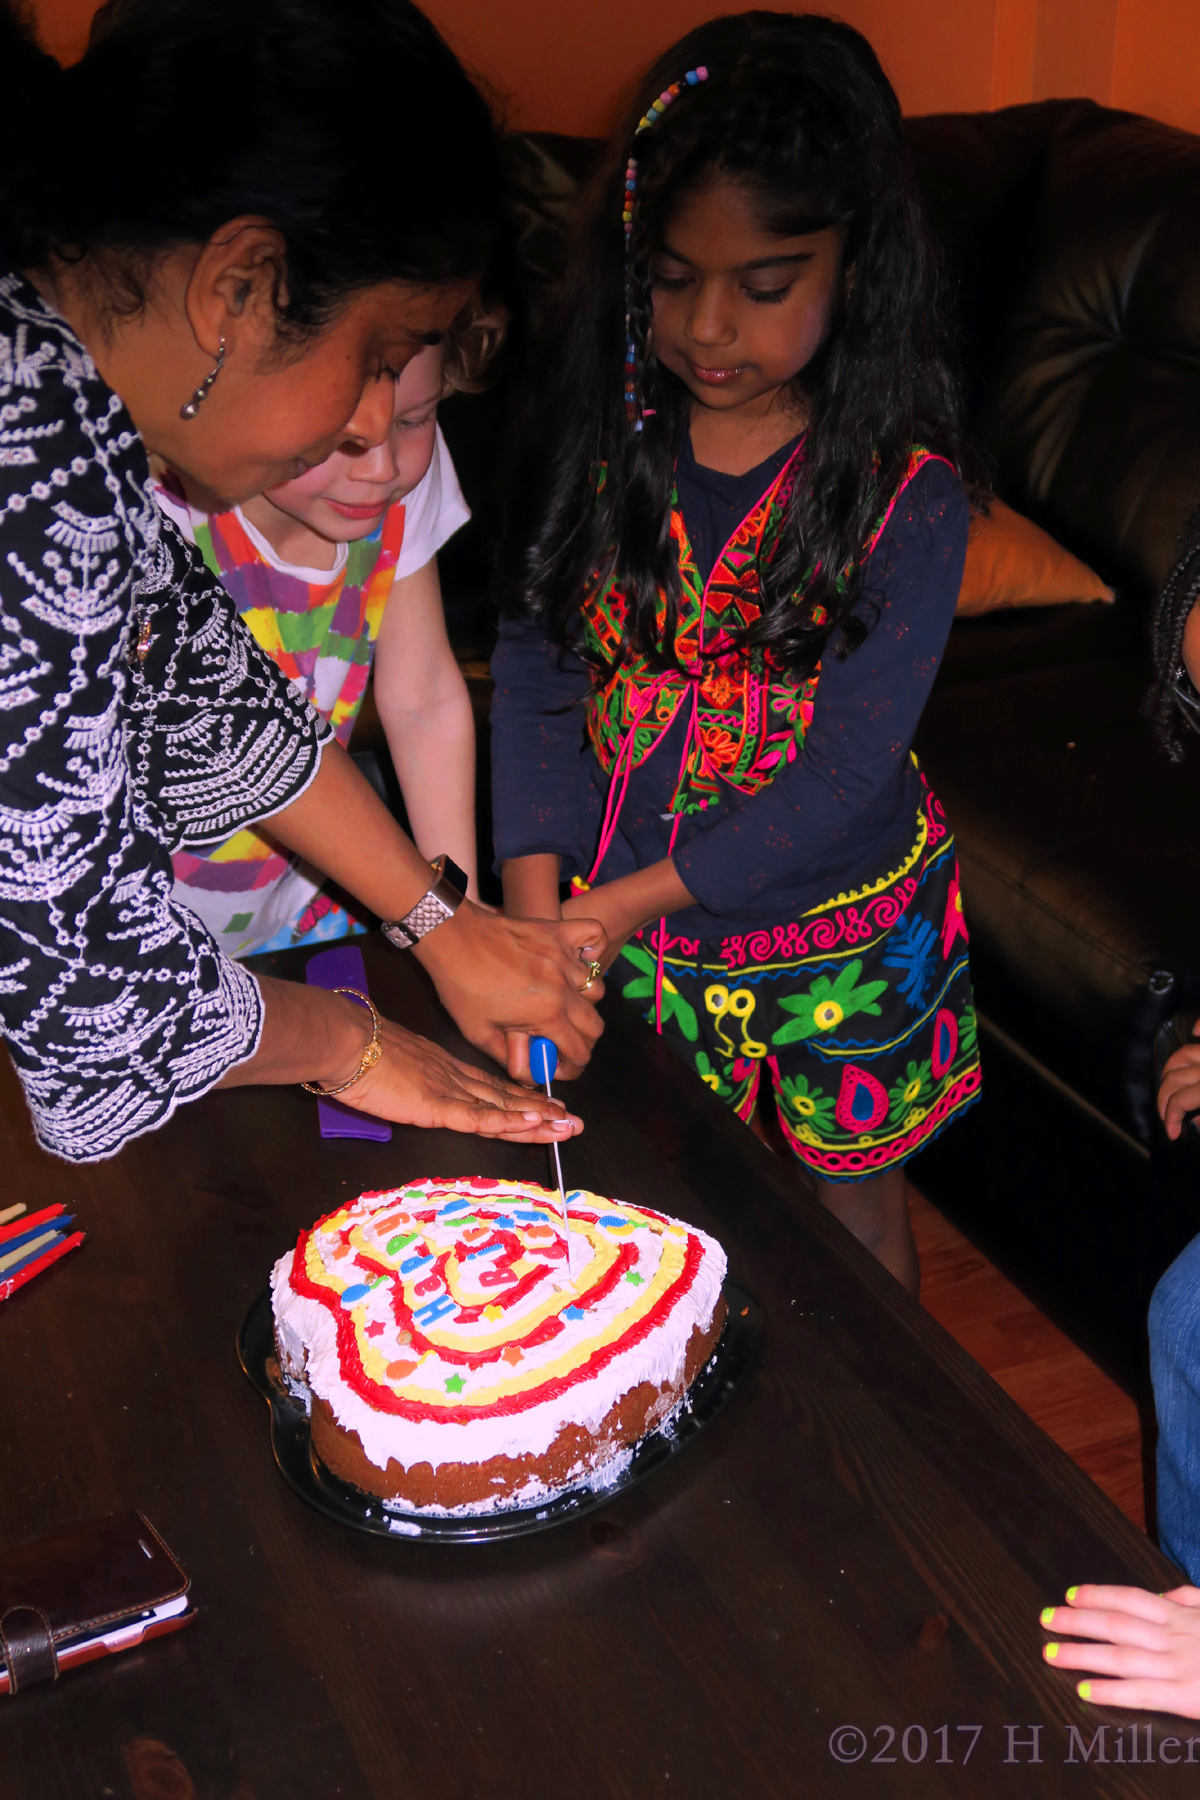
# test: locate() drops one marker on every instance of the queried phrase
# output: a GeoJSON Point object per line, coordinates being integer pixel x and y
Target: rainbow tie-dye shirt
{"type": "Point", "coordinates": [321, 627]}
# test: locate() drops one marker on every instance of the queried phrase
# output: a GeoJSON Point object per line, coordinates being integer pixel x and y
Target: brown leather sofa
{"type": "Point", "coordinates": [1072, 236]}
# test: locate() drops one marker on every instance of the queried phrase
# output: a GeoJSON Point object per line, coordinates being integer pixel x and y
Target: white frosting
{"type": "Point", "coordinates": [638, 1256]}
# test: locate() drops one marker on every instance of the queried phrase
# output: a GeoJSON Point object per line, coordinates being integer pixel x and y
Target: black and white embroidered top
{"type": "Point", "coordinates": [136, 714]}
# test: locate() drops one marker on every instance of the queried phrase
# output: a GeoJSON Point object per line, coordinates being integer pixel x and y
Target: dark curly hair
{"type": "Point", "coordinates": [1169, 703]}
{"type": "Point", "coordinates": [185, 114]}
{"type": "Point", "coordinates": [799, 111]}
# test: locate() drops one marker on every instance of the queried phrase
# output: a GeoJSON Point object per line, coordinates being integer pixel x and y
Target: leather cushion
{"type": "Point", "coordinates": [1073, 235]}
{"type": "Point", "coordinates": [1080, 859]}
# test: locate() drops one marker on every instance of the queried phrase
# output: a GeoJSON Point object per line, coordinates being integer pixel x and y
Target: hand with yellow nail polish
{"type": "Point", "coordinates": [1147, 1645]}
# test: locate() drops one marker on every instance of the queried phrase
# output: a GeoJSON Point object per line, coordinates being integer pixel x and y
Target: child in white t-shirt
{"type": "Point", "coordinates": [328, 572]}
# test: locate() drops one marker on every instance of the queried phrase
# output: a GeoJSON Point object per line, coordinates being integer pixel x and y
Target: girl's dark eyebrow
{"type": "Point", "coordinates": [762, 262]}
{"type": "Point", "coordinates": [772, 262]}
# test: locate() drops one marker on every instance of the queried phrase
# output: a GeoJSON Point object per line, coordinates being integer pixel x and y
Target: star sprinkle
{"type": "Point", "coordinates": [512, 1355]}
{"type": "Point", "coordinates": [573, 1312]}
{"type": "Point", "coordinates": [455, 1384]}
{"type": "Point", "coordinates": [492, 1313]}
{"type": "Point", "coordinates": [377, 1329]}
{"type": "Point", "coordinates": [634, 1279]}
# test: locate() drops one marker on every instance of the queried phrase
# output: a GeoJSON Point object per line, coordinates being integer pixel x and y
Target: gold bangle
{"type": "Point", "coordinates": [370, 1055]}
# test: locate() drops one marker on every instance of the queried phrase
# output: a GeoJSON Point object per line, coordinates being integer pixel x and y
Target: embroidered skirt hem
{"type": "Point", "coordinates": [861, 1012]}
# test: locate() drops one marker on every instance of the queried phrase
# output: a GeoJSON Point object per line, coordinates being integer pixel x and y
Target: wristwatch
{"type": "Point", "coordinates": [443, 899]}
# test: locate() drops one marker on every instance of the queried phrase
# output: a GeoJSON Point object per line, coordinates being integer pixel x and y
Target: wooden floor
{"type": "Point", "coordinates": [1061, 1389]}
{"type": "Point", "coordinates": [1077, 1405]}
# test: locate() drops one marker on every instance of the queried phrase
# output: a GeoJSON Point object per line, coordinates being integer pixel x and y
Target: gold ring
{"type": "Point", "coordinates": [593, 972]}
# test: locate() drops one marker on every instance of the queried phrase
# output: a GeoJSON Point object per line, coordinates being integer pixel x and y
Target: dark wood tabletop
{"type": "Point", "coordinates": [834, 1591]}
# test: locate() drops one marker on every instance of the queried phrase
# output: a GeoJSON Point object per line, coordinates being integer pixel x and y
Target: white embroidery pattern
{"type": "Point", "coordinates": [115, 1002]}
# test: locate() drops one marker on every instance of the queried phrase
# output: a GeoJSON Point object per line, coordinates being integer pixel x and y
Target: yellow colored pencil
{"type": "Point", "coordinates": [12, 1212]}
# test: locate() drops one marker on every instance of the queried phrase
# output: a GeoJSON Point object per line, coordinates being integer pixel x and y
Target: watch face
{"type": "Point", "coordinates": [454, 875]}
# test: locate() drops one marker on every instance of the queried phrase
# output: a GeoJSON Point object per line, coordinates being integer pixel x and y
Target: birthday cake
{"type": "Point", "coordinates": [451, 1356]}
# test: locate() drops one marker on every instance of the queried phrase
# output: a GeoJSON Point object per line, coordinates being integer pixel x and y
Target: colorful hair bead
{"type": "Point", "coordinates": [658, 107]}
{"type": "Point", "coordinates": [634, 410]}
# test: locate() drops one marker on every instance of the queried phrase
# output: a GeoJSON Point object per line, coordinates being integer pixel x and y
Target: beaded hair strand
{"type": "Point", "coordinates": [635, 410]}
{"type": "Point", "coordinates": [1171, 697]}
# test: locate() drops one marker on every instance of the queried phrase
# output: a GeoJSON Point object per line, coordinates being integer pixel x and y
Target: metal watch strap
{"type": "Point", "coordinates": [434, 907]}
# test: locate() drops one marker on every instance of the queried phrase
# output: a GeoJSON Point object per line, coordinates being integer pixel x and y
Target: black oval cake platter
{"type": "Point", "coordinates": [292, 1444]}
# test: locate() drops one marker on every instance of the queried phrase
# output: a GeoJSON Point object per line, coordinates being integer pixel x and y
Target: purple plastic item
{"type": "Point", "coordinates": [343, 966]}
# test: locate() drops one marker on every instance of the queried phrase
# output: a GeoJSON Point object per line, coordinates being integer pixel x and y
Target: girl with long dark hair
{"type": "Point", "coordinates": [198, 258]}
{"type": "Point", "coordinates": [735, 548]}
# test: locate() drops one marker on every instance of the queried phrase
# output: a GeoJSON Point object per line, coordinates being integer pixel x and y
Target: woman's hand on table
{"type": "Point", "coordinates": [1146, 1646]}
{"type": "Point", "coordinates": [415, 1082]}
{"type": "Point", "coordinates": [310, 1034]}
{"type": "Point", "coordinates": [1179, 1090]}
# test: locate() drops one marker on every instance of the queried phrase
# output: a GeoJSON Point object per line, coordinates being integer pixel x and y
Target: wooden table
{"type": "Point", "coordinates": [862, 1539]}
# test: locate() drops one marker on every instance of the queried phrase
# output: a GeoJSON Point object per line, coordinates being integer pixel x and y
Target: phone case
{"type": "Point", "coordinates": [84, 1592]}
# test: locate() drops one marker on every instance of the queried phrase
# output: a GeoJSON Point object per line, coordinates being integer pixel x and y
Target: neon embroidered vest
{"type": "Point", "coordinates": [749, 717]}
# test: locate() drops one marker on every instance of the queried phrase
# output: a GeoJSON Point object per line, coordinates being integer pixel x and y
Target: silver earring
{"type": "Point", "coordinates": [191, 407]}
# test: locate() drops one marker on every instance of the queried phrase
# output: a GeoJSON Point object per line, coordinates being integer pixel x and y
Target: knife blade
{"type": "Point", "coordinates": [543, 1061]}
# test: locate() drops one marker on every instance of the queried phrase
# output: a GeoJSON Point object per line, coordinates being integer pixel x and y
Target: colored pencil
{"type": "Point", "coordinates": [15, 1260]}
{"type": "Point", "coordinates": [23, 1225]}
{"type": "Point", "coordinates": [11, 1212]}
{"type": "Point", "coordinates": [36, 1242]}
{"type": "Point", "coordinates": [9, 1284]}
{"type": "Point", "coordinates": [32, 1232]}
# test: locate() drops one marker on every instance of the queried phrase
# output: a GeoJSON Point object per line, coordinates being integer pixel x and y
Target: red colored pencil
{"type": "Point", "coordinates": [29, 1220]}
{"type": "Point", "coordinates": [43, 1262]}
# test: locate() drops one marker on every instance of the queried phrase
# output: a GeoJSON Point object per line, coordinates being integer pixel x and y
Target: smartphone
{"type": "Point", "coordinates": [98, 1588]}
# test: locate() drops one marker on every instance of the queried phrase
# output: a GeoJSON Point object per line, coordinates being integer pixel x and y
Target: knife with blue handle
{"type": "Point", "coordinates": [543, 1061]}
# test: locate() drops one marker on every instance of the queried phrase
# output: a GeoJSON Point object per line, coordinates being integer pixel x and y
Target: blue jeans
{"type": "Point", "coordinates": [1175, 1371]}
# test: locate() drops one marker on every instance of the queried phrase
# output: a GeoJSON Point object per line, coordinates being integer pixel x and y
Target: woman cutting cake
{"type": "Point", "coordinates": [239, 300]}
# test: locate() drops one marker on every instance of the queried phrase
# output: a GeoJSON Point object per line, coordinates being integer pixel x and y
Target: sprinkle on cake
{"type": "Point", "coordinates": [452, 1362]}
